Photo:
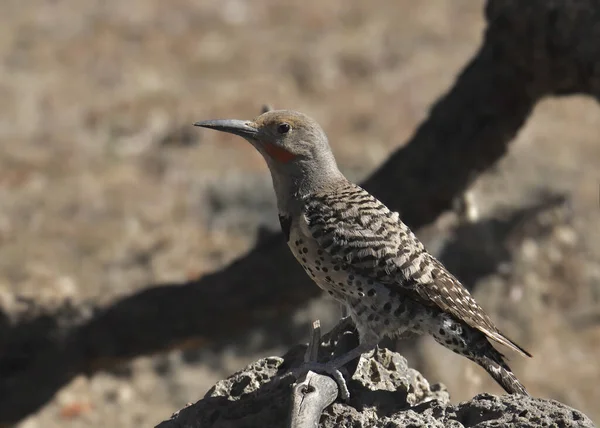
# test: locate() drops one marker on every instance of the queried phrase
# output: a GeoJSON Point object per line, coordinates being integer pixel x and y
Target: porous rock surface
{"type": "Point", "coordinates": [385, 392]}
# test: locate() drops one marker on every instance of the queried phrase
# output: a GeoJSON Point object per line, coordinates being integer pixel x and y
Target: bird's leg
{"type": "Point", "coordinates": [344, 324]}
{"type": "Point", "coordinates": [342, 360]}
{"type": "Point", "coordinates": [344, 310]}
{"type": "Point", "coordinates": [333, 367]}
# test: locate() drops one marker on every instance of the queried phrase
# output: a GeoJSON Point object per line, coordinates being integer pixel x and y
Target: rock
{"type": "Point", "coordinates": [486, 410]}
{"type": "Point", "coordinates": [384, 392]}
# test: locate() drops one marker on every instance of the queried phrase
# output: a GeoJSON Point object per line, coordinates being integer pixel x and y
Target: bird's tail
{"type": "Point", "coordinates": [502, 374]}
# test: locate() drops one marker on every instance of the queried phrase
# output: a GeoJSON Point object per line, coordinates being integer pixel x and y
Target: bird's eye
{"type": "Point", "coordinates": [284, 128]}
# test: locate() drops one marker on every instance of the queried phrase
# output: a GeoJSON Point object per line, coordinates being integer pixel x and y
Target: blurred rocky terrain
{"type": "Point", "coordinates": [106, 189]}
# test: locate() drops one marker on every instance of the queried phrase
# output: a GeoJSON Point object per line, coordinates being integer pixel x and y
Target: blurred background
{"type": "Point", "coordinates": [106, 188]}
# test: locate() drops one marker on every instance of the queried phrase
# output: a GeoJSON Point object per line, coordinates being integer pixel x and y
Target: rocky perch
{"type": "Point", "coordinates": [384, 392]}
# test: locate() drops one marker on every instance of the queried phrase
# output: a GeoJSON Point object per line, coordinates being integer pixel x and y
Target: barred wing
{"type": "Point", "coordinates": [359, 231]}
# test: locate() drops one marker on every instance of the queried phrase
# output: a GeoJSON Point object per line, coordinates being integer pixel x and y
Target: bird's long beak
{"type": "Point", "coordinates": [242, 128]}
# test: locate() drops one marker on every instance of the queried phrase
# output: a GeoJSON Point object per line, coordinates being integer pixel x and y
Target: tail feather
{"type": "Point", "coordinates": [503, 375]}
{"type": "Point", "coordinates": [502, 339]}
{"type": "Point", "coordinates": [475, 344]}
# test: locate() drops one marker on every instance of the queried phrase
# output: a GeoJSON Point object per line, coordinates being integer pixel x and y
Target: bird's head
{"type": "Point", "coordinates": [294, 146]}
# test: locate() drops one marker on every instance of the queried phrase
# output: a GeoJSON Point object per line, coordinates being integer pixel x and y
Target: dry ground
{"type": "Point", "coordinates": [105, 188]}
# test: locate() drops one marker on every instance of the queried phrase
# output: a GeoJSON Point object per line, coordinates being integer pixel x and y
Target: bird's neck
{"type": "Point", "coordinates": [292, 188]}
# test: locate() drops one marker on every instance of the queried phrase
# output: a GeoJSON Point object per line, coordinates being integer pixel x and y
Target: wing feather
{"type": "Point", "coordinates": [361, 232]}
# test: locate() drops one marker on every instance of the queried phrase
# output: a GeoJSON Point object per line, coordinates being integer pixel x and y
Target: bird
{"type": "Point", "coordinates": [361, 253]}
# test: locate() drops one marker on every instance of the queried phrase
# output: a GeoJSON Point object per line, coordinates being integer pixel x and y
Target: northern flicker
{"type": "Point", "coordinates": [362, 254]}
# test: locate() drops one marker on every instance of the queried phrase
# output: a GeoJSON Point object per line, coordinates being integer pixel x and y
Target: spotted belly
{"type": "Point", "coordinates": [376, 309]}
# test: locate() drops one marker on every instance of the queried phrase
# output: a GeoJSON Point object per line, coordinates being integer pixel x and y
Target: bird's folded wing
{"type": "Point", "coordinates": [360, 232]}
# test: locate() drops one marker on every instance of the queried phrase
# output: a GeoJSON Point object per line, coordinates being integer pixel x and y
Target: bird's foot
{"type": "Point", "coordinates": [332, 367]}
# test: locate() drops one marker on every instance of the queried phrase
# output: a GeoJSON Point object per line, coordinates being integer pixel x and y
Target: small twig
{"type": "Point", "coordinates": [313, 392]}
{"type": "Point", "coordinates": [312, 352]}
